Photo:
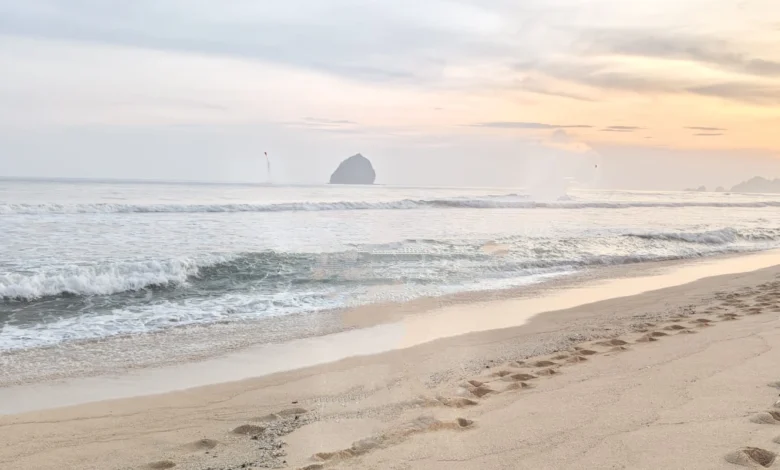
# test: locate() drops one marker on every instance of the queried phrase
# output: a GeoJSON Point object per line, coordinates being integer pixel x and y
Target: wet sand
{"type": "Point", "coordinates": [681, 384]}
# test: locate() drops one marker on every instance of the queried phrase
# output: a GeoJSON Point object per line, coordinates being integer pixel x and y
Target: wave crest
{"type": "Point", "coordinates": [712, 237]}
{"type": "Point", "coordinates": [104, 279]}
{"type": "Point", "coordinates": [421, 260]}
{"type": "Point", "coordinates": [489, 202]}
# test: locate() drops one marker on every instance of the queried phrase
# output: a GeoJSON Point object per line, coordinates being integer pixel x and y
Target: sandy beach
{"type": "Point", "coordinates": [383, 235]}
{"type": "Point", "coordinates": [678, 377]}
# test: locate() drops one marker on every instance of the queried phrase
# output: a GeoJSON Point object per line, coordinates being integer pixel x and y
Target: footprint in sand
{"type": "Point", "coordinates": [766, 417]}
{"type": "Point", "coordinates": [522, 377]}
{"type": "Point", "coordinates": [544, 364]}
{"type": "Point", "coordinates": [481, 391]}
{"type": "Point", "coordinates": [751, 457]}
{"type": "Point", "coordinates": [547, 372]}
{"type": "Point", "coordinates": [295, 412]}
{"type": "Point", "coordinates": [576, 359]}
{"type": "Point", "coordinates": [161, 465]}
{"type": "Point", "coordinates": [291, 412]}
{"type": "Point", "coordinates": [518, 386]}
{"type": "Point", "coordinates": [203, 444]}
{"type": "Point", "coordinates": [420, 425]}
{"type": "Point", "coordinates": [248, 430]}
{"type": "Point", "coordinates": [459, 402]}
{"type": "Point", "coordinates": [612, 342]}
{"type": "Point", "coordinates": [675, 327]}
{"type": "Point", "coordinates": [314, 466]}
{"type": "Point", "coordinates": [701, 322]}
{"type": "Point", "coordinates": [648, 338]}
{"type": "Point", "coordinates": [585, 352]}
{"type": "Point", "coordinates": [501, 373]}
{"type": "Point", "coordinates": [658, 334]}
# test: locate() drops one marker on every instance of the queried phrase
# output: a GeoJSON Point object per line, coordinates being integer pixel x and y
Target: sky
{"type": "Point", "coordinates": [644, 94]}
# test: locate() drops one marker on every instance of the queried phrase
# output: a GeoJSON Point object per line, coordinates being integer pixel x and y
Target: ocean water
{"type": "Point", "coordinates": [91, 260]}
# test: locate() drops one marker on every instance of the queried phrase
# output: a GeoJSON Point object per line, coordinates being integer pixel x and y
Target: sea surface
{"type": "Point", "coordinates": [84, 260]}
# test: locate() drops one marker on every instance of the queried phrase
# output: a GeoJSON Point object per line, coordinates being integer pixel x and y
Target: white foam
{"type": "Point", "coordinates": [102, 279]}
{"type": "Point", "coordinates": [234, 308]}
{"type": "Point", "coordinates": [160, 316]}
{"type": "Point", "coordinates": [713, 237]}
{"type": "Point", "coordinates": [493, 202]}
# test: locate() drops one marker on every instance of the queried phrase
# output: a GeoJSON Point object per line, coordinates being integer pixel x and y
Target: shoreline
{"type": "Point", "coordinates": [116, 355]}
{"type": "Point", "coordinates": [421, 322]}
{"type": "Point", "coordinates": [420, 407]}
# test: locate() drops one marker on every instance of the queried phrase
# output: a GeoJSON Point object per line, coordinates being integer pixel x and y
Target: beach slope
{"type": "Point", "coordinates": [683, 377]}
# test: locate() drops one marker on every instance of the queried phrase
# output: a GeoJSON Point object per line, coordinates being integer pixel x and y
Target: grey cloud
{"type": "Point", "coordinates": [665, 45]}
{"type": "Point", "coordinates": [371, 41]}
{"type": "Point", "coordinates": [529, 125]}
{"type": "Point", "coordinates": [754, 93]}
{"type": "Point", "coordinates": [704, 128]}
{"type": "Point", "coordinates": [583, 68]}
{"type": "Point", "coordinates": [708, 134]}
{"type": "Point", "coordinates": [624, 128]}
{"type": "Point", "coordinates": [537, 86]}
{"type": "Point", "coordinates": [599, 76]}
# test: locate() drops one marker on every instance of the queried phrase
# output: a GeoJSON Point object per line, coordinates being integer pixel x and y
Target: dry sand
{"type": "Point", "coordinates": [682, 377]}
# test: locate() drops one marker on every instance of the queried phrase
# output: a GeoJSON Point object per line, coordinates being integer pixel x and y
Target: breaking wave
{"type": "Point", "coordinates": [413, 260]}
{"type": "Point", "coordinates": [712, 237]}
{"type": "Point", "coordinates": [495, 202]}
{"type": "Point", "coordinates": [104, 279]}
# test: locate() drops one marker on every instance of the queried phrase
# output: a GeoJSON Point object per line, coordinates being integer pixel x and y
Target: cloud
{"type": "Point", "coordinates": [535, 85]}
{"type": "Point", "coordinates": [699, 64]}
{"type": "Point", "coordinates": [704, 128]}
{"type": "Point", "coordinates": [602, 76]}
{"type": "Point", "coordinates": [404, 41]}
{"type": "Point", "coordinates": [708, 134]}
{"type": "Point", "coordinates": [407, 42]}
{"type": "Point", "coordinates": [663, 44]}
{"type": "Point", "coordinates": [748, 92]}
{"type": "Point", "coordinates": [529, 125]}
{"type": "Point", "coordinates": [621, 128]}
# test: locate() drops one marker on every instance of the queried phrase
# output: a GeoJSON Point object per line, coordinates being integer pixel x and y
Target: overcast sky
{"type": "Point", "coordinates": [657, 93]}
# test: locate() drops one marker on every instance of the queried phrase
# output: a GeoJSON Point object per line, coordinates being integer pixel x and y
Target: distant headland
{"type": "Point", "coordinates": [756, 184]}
